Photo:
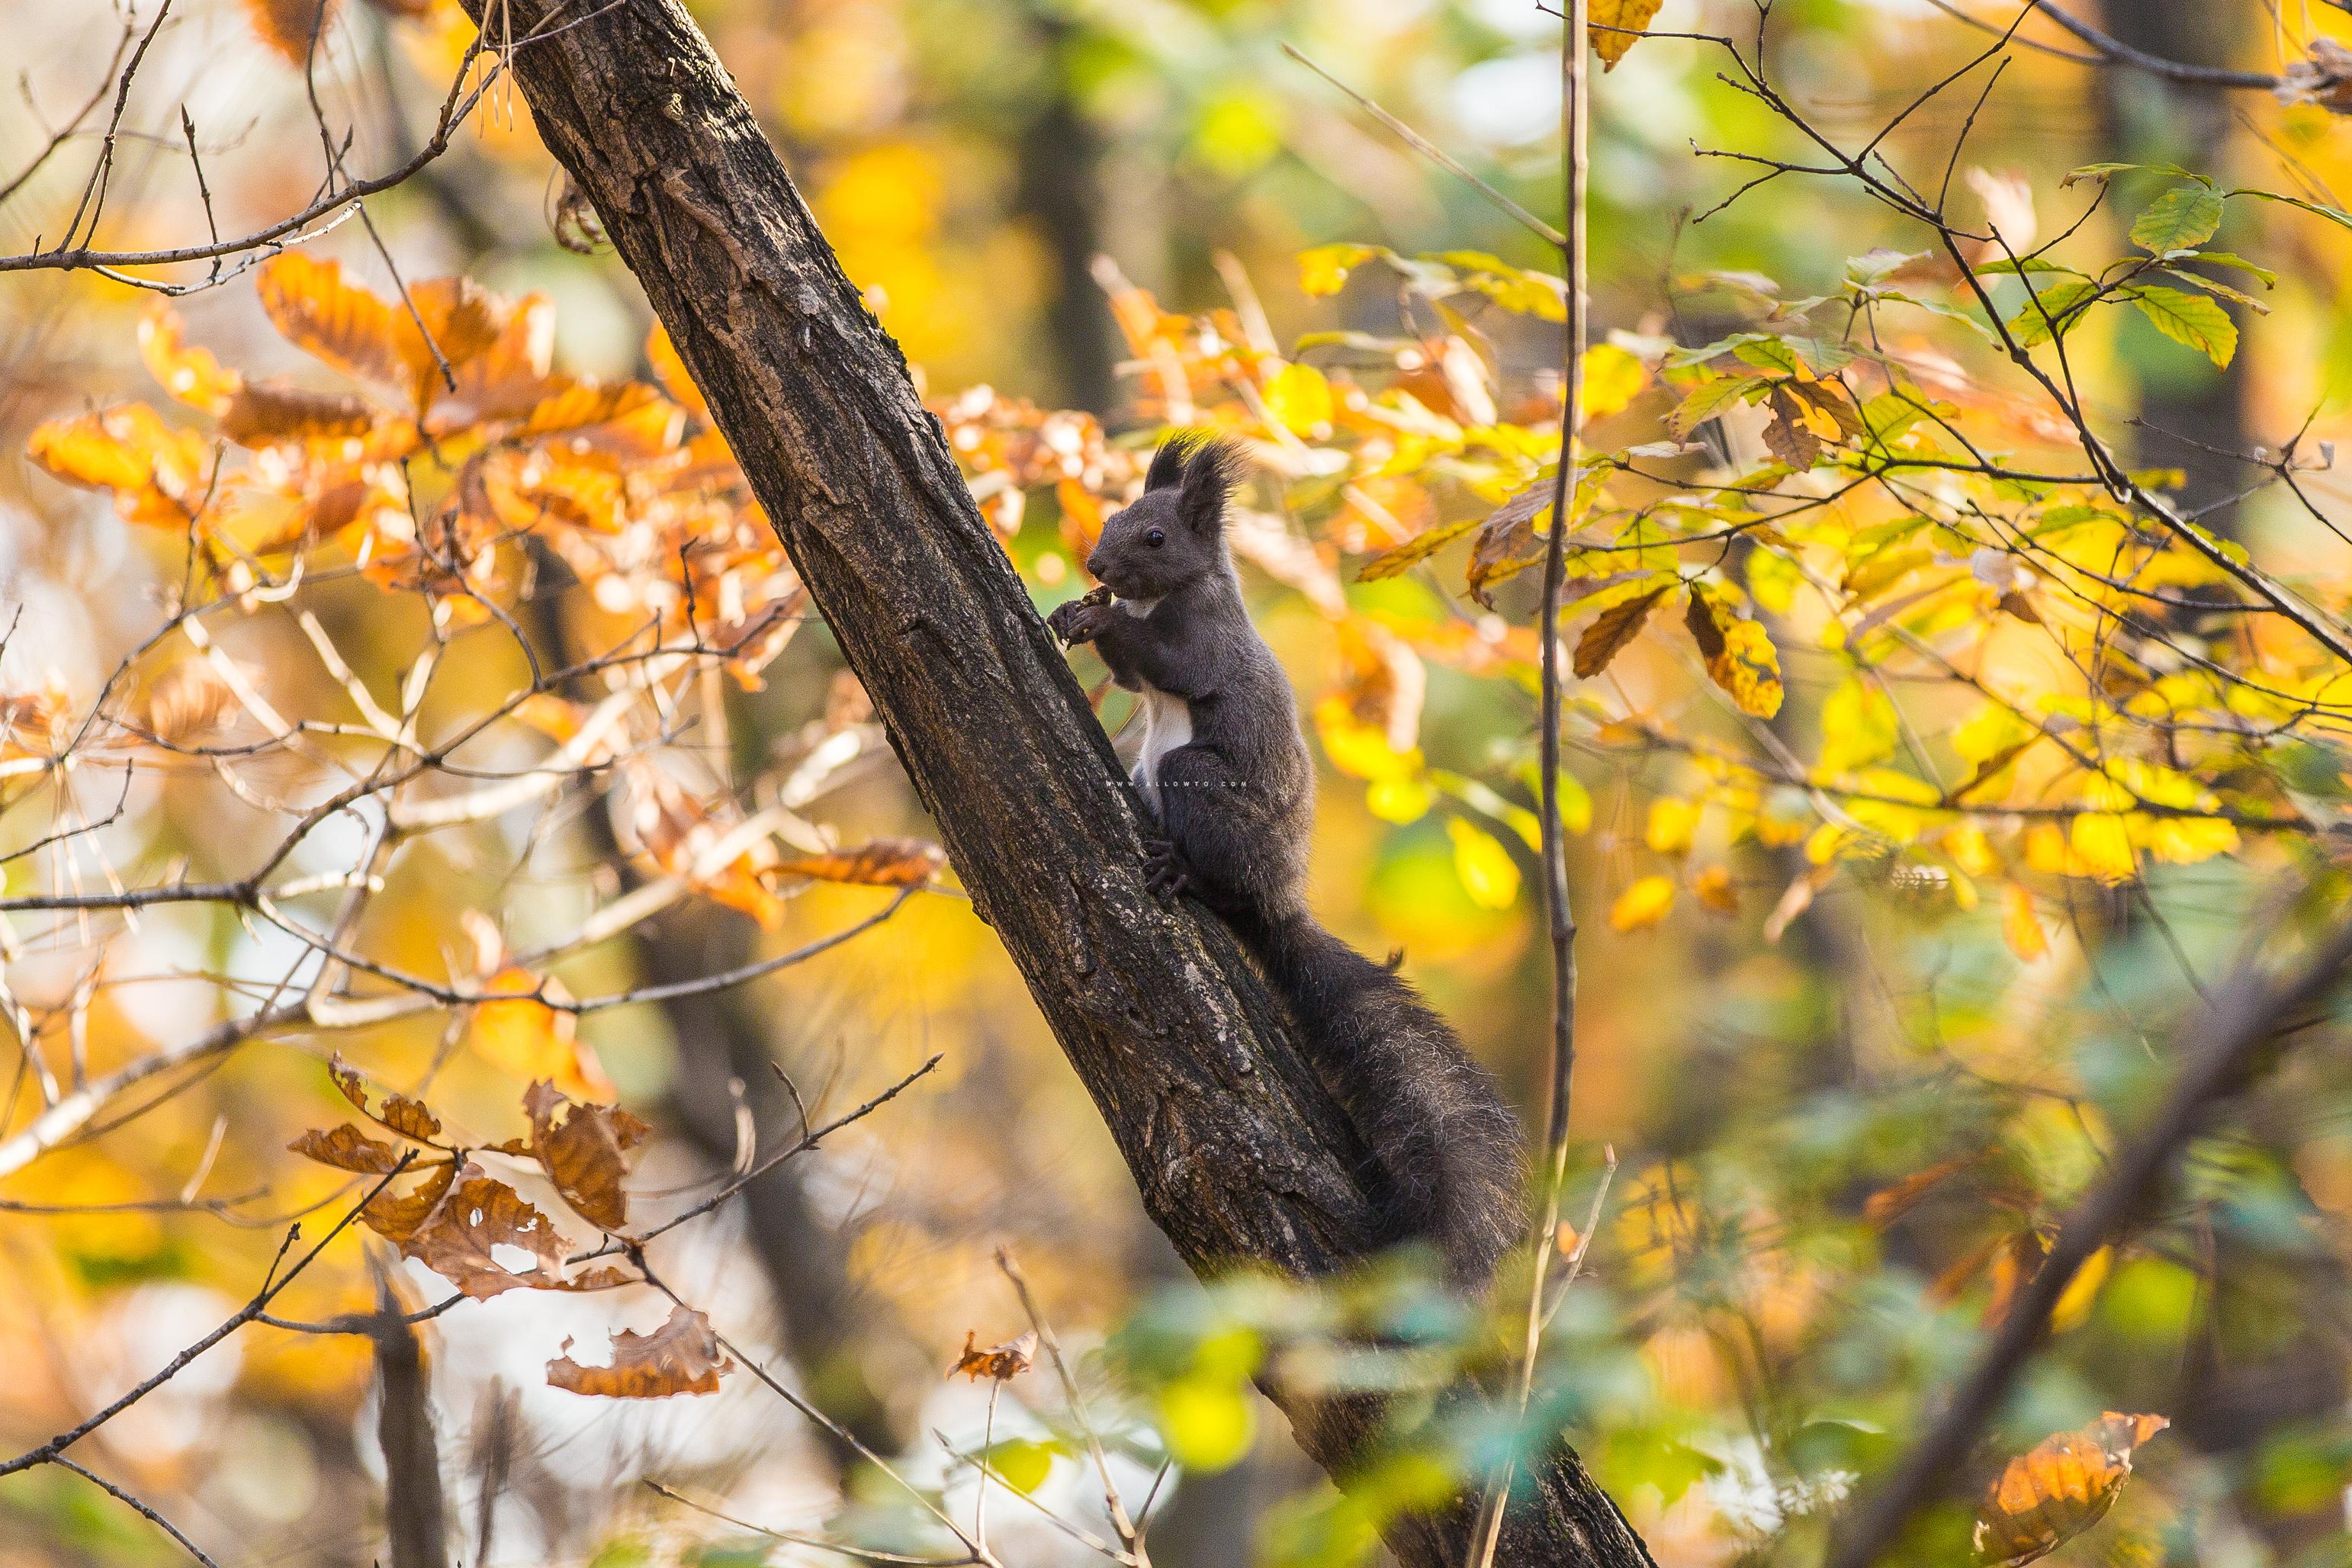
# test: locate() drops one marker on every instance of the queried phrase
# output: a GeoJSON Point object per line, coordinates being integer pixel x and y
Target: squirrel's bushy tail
{"type": "Point", "coordinates": [1447, 1145]}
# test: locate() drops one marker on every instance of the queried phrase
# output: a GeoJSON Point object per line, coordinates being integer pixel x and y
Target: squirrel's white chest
{"type": "Point", "coordinates": [1167, 724]}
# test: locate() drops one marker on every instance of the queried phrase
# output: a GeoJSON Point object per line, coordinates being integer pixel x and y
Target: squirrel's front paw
{"type": "Point", "coordinates": [1083, 619]}
{"type": "Point", "coordinates": [1164, 869]}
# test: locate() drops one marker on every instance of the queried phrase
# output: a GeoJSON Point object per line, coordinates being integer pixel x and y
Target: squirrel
{"type": "Point", "coordinates": [1225, 774]}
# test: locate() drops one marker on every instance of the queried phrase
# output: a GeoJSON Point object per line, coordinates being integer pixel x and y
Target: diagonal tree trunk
{"type": "Point", "coordinates": [1239, 1153]}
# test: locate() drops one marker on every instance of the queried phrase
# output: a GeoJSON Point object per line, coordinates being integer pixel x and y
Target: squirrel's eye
{"type": "Point", "coordinates": [1155, 539]}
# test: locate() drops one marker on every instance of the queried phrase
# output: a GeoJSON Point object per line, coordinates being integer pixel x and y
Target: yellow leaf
{"type": "Point", "coordinates": [1645, 903]}
{"type": "Point", "coordinates": [1610, 378]}
{"type": "Point", "coordinates": [1399, 800]}
{"type": "Point", "coordinates": [2185, 840]}
{"type": "Point", "coordinates": [1613, 24]}
{"type": "Point", "coordinates": [1299, 399]}
{"type": "Point", "coordinates": [2073, 1303]}
{"type": "Point", "coordinates": [1858, 727]}
{"type": "Point", "coordinates": [1740, 654]}
{"type": "Point", "coordinates": [2101, 847]}
{"type": "Point", "coordinates": [1209, 1423]}
{"type": "Point", "coordinates": [192, 375]}
{"type": "Point", "coordinates": [1672, 823]}
{"type": "Point", "coordinates": [1488, 873]}
{"type": "Point", "coordinates": [1324, 268]}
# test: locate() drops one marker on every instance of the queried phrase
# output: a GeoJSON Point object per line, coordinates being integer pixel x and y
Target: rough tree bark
{"type": "Point", "coordinates": [1239, 1153]}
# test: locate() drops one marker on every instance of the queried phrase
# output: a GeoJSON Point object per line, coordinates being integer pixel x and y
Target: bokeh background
{"type": "Point", "coordinates": [985, 168]}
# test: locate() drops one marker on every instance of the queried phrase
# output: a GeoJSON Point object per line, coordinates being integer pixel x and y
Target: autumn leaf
{"type": "Point", "coordinates": [682, 1356]}
{"type": "Point", "coordinates": [1324, 268]}
{"type": "Point", "coordinates": [192, 375]}
{"type": "Point", "coordinates": [477, 1215]}
{"type": "Point", "coordinates": [159, 475]}
{"type": "Point", "coordinates": [1740, 654]}
{"type": "Point", "coordinates": [347, 1148]}
{"type": "Point", "coordinates": [2183, 218]}
{"type": "Point", "coordinates": [1615, 627]}
{"type": "Point", "coordinates": [1398, 559]}
{"type": "Point", "coordinates": [671, 372]}
{"type": "Point", "coordinates": [395, 1216]}
{"type": "Point", "coordinates": [2065, 1485]}
{"type": "Point", "coordinates": [189, 701]}
{"type": "Point", "coordinates": [2020, 927]}
{"type": "Point", "coordinates": [1645, 903]}
{"type": "Point", "coordinates": [269, 413]}
{"type": "Point", "coordinates": [582, 1149]}
{"type": "Point", "coordinates": [1614, 25]}
{"type": "Point", "coordinates": [2196, 320]}
{"type": "Point", "coordinates": [1002, 1363]}
{"type": "Point", "coordinates": [532, 1040]}
{"type": "Point", "coordinates": [1790, 436]}
{"type": "Point", "coordinates": [1713, 887]}
{"type": "Point", "coordinates": [409, 1118]}
{"type": "Point", "coordinates": [347, 327]}
{"type": "Point", "coordinates": [877, 863]}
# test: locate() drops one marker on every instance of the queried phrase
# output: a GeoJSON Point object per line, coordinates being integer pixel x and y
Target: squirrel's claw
{"type": "Point", "coordinates": [1164, 871]}
{"type": "Point", "coordinates": [1081, 619]}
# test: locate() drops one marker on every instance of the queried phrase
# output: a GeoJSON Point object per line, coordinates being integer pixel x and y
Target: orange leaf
{"type": "Point", "coordinates": [532, 1040]}
{"type": "Point", "coordinates": [1713, 888]}
{"type": "Point", "coordinates": [580, 1147]}
{"type": "Point", "coordinates": [2065, 1485]}
{"type": "Point", "coordinates": [671, 372]}
{"type": "Point", "coordinates": [1645, 903]}
{"type": "Point", "coordinates": [396, 1217]}
{"type": "Point", "coordinates": [682, 1356]}
{"type": "Point", "coordinates": [877, 863]}
{"type": "Point", "coordinates": [344, 325]}
{"type": "Point", "coordinates": [158, 474]}
{"type": "Point", "coordinates": [1004, 1361]}
{"type": "Point", "coordinates": [191, 374]}
{"type": "Point", "coordinates": [2020, 927]}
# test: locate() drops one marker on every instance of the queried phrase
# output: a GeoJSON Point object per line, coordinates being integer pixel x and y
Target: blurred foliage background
{"type": "Point", "coordinates": [1843, 1130]}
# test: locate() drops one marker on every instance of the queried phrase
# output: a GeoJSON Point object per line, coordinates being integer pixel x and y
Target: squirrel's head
{"type": "Point", "coordinates": [1175, 532]}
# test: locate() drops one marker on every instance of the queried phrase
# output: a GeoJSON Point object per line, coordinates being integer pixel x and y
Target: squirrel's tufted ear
{"type": "Point", "coordinates": [1212, 469]}
{"type": "Point", "coordinates": [1168, 463]}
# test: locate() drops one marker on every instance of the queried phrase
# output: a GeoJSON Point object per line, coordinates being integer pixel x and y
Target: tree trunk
{"type": "Point", "coordinates": [1239, 1153]}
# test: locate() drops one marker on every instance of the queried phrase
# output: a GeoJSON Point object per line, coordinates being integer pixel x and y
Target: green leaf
{"type": "Point", "coordinates": [2052, 312]}
{"type": "Point", "coordinates": [2105, 171]}
{"type": "Point", "coordinates": [2023, 264]}
{"type": "Point", "coordinates": [2181, 219]}
{"type": "Point", "coordinates": [1023, 1463]}
{"type": "Point", "coordinates": [2214, 286]}
{"type": "Point", "coordinates": [2191, 318]}
{"type": "Point", "coordinates": [2223, 259]}
{"type": "Point", "coordinates": [1710, 399]}
{"type": "Point", "coordinates": [2341, 220]}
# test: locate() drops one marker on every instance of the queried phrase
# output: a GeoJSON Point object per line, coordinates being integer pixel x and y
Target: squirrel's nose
{"type": "Point", "coordinates": [1094, 565]}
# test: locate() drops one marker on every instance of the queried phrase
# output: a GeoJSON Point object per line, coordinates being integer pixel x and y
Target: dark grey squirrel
{"type": "Point", "coordinates": [1227, 773]}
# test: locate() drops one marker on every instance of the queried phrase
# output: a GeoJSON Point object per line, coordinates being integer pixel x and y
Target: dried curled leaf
{"type": "Point", "coordinates": [581, 1148]}
{"type": "Point", "coordinates": [189, 701]}
{"type": "Point", "coordinates": [1615, 627]}
{"type": "Point", "coordinates": [2065, 1485]}
{"type": "Point", "coordinates": [409, 1118]}
{"type": "Point", "coordinates": [347, 1148]}
{"type": "Point", "coordinates": [395, 1216]}
{"type": "Point", "coordinates": [682, 1356]}
{"type": "Point", "coordinates": [1004, 1361]}
{"type": "Point", "coordinates": [460, 1236]}
{"type": "Point", "coordinates": [877, 863]}
{"type": "Point", "coordinates": [269, 413]}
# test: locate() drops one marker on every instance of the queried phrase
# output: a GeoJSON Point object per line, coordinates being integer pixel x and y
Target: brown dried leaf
{"type": "Point", "coordinates": [682, 1356]}
{"type": "Point", "coordinates": [581, 1149]}
{"type": "Point", "coordinates": [476, 1215]}
{"type": "Point", "coordinates": [1887, 1204]}
{"type": "Point", "coordinates": [877, 863]}
{"type": "Point", "coordinates": [407, 1117]}
{"type": "Point", "coordinates": [347, 1148]}
{"type": "Point", "coordinates": [1004, 1361]}
{"type": "Point", "coordinates": [1606, 637]}
{"type": "Point", "coordinates": [395, 1216]}
{"type": "Point", "coordinates": [270, 414]}
{"type": "Point", "coordinates": [2065, 1485]}
{"type": "Point", "coordinates": [190, 700]}
{"type": "Point", "coordinates": [1789, 437]}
